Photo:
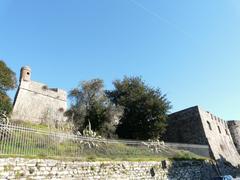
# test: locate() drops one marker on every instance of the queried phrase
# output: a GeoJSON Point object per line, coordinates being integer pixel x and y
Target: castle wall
{"type": "Point", "coordinates": [185, 127]}
{"type": "Point", "coordinates": [219, 138]}
{"type": "Point", "coordinates": [37, 103]}
{"type": "Point", "coordinates": [197, 126]}
{"type": "Point", "coordinates": [234, 127]}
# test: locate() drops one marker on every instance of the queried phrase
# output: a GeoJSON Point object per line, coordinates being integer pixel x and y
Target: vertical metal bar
{"type": "Point", "coordinates": [47, 144]}
{"type": "Point", "coordinates": [17, 139]}
{"type": "Point", "coordinates": [20, 139]}
{"type": "Point", "coordinates": [30, 143]}
{"type": "Point", "coordinates": [36, 142]}
{"type": "Point", "coordinates": [13, 134]}
{"type": "Point", "coordinates": [50, 145]}
{"type": "Point", "coordinates": [1, 138]}
{"type": "Point", "coordinates": [26, 136]}
{"type": "Point", "coordinates": [6, 136]}
{"type": "Point", "coordinates": [3, 126]}
{"type": "Point", "coordinates": [55, 144]}
{"type": "Point", "coordinates": [11, 140]}
{"type": "Point", "coordinates": [58, 144]}
{"type": "Point", "coordinates": [26, 152]}
{"type": "Point", "coordinates": [23, 139]}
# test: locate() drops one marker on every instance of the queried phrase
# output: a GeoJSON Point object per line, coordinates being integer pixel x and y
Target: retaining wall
{"type": "Point", "coordinates": [19, 168]}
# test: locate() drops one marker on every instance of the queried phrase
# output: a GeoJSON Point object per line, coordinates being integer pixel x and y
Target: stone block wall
{"type": "Point", "coordinates": [185, 127]}
{"type": "Point", "coordinates": [219, 138]}
{"type": "Point", "coordinates": [19, 168]}
{"type": "Point", "coordinates": [234, 127]}
{"type": "Point", "coordinates": [197, 126]}
{"type": "Point", "coordinates": [36, 103]}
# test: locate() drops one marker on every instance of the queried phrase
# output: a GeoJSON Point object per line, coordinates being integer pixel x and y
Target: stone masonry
{"type": "Point", "coordinates": [196, 126]}
{"type": "Point", "coordinates": [36, 102]}
{"type": "Point", "coordinates": [234, 127]}
{"type": "Point", "coordinates": [19, 168]}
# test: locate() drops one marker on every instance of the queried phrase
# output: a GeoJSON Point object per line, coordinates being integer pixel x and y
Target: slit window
{"type": "Point", "coordinates": [209, 125]}
{"type": "Point", "coordinates": [219, 130]}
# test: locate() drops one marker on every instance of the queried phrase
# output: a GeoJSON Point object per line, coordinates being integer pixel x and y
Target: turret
{"type": "Point", "coordinates": [25, 74]}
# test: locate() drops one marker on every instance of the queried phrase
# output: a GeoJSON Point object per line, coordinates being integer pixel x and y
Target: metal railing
{"type": "Point", "coordinates": [17, 139]}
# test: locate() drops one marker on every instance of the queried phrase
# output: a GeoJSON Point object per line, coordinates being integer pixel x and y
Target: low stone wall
{"type": "Point", "coordinates": [19, 168]}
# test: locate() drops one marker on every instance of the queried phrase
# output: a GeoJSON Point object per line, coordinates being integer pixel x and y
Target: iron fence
{"type": "Point", "coordinates": [21, 140]}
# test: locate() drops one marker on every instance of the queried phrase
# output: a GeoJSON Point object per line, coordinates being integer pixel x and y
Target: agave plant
{"type": "Point", "coordinates": [92, 139]}
{"type": "Point", "coordinates": [3, 117]}
{"type": "Point", "coordinates": [155, 146]}
{"type": "Point", "coordinates": [4, 131]}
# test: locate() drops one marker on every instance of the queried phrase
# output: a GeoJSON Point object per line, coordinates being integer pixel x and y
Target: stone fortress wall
{"type": "Point", "coordinates": [219, 138]}
{"type": "Point", "coordinates": [234, 127]}
{"type": "Point", "coordinates": [196, 126]}
{"type": "Point", "coordinates": [36, 102]}
{"type": "Point", "coordinates": [185, 127]}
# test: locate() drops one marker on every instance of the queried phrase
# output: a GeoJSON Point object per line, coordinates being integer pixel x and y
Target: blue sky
{"type": "Point", "coordinates": [189, 49]}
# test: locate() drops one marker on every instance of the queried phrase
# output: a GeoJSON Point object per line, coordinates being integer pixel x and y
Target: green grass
{"type": "Point", "coordinates": [104, 152]}
{"type": "Point", "coordinates": [102, 159]}
{"type": "Point", "coordinates": [86, 158]}
{"type": "Point", "coordinates": [37, 145]}
{"type": "Point", "coordinates": [186, 155]}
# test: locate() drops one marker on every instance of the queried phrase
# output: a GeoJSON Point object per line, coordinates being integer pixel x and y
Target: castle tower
{"type": "Point", "coordinates": [36, 103]}
{"type": "Point", "coordinates": [25, 74]}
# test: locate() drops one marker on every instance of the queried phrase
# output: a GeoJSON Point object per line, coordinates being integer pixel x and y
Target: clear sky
{"type": "Point", "coordinates": [189, 49]}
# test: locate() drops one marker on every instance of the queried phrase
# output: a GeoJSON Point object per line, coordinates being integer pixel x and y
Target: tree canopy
{"type": "Point", "coordinates": [90, 104]}
{"type": "Point", "coordinates": [7, 82]}
{"type": "Point", "coordinates": [144, 109]}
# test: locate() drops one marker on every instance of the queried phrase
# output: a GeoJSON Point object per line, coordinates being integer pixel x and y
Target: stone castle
{"type": "Point", "coordinates": [196, 126]}
{"type": "Point", "coordinates": [36, 102]}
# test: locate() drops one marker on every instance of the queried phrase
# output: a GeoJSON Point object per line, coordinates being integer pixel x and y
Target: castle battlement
{"type": "Point", "coordinates": [44, 90]}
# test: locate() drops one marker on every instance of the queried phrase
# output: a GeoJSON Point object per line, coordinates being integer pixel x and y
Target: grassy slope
{"type": "Point", "coordinates": [43, 146]}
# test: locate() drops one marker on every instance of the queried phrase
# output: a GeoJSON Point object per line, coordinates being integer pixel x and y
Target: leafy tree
{"type": "Point", "coordinates": [7, 82]}
{"type": "Point", "coordinates": [144, 109]}
{"type": "Point", "coordinates": [90, 104]}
